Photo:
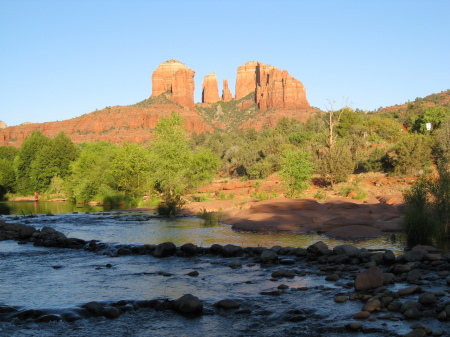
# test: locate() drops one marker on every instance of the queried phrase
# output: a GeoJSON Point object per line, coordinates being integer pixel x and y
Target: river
{"type": "Point", "coordinates": [60, 279]}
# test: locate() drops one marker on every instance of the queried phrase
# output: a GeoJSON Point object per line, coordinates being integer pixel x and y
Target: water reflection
{"type": "Point", "coordinates": [44, 207]}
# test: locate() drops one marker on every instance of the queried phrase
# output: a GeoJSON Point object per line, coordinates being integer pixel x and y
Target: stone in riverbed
{"type": "Point", "coordinates": [370, 278]}
{"type": "Point", "coordinates": [189, 249]}
{"type": "Point", "coordinates": [94, 308]}
{"type": "Point", "coordinates": [232, 250]}
{"type": "Point", "coordinates": [317, 247]}
{"type": "Point", "coordinates": [227, 304]}
{"type": "Point", "coordinates": [268, 256]}
{"type": "Point", "coordinates": [111, 312]}
{"type": "Point", "coordinates": [348, 250]}
{"type": "Point", "coordinates": [188, 304]}
{"type": "Point", "coordinates": [165, 249]}
{"type": "Point", "coordinates": [372, 305]}
{"type": "Point", "coordinates": [427, 298]}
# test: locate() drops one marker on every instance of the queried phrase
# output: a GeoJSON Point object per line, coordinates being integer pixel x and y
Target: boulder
{"type": "Point", "coordinates": [368, 279]}
{"type": "Point", "coordinates": [188, 304]}
{"type": "Point", "coordinates": [317, 247]}
{"type": "Point", "coordinates": [348, 250]}
{"type": "Point", "coordinates": [268, 256]}
{"type": "Point", "coordinates": [189, 249]}
{"type": "Point", "coordinates": [165, 249]}
{"type": "Point", "coordinates": [232, 250]}
{"type": "Point", "coordinates": [227, 304]}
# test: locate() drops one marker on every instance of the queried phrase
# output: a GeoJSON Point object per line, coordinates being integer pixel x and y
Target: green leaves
{"type": "Point", "coordinates": [297, 169]}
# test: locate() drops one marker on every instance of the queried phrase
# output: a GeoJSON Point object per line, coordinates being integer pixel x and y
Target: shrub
{"type": "Point", "coordinates": [427, 216]}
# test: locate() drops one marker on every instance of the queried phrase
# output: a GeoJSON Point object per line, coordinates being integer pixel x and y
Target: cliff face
{"type": "Point", "coordinates": [210, 93]}
{"type": "Point", "coordinates": [2, 125]}
{"type": "Point", "coordinates": [226, 93]}
{"type": "Point", "coordinates": [275, 89]}
{"type": "Point", "coordinates": [176, 79]}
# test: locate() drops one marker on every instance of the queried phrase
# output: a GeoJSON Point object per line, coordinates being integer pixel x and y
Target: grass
{"type": "Point", "coordinates": [263, 195]}
{"type": "Point", "coordinates": [211, 218]}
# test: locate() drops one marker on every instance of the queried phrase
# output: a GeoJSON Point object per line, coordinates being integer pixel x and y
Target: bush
{"type": "Point", "coordinates": [409, 155]}
{"type": "Point", "coordinates": [296, 171]}
{"type": "Point", "coordinates": [336, 164]}
{"type": "Point", "coordinates": [427, 217]}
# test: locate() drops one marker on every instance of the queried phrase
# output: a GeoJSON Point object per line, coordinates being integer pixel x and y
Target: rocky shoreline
{"type": "Point", "coordinates": [410, 287]}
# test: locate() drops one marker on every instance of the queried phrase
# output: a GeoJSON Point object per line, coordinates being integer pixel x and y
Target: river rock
{"type": "Point", "coordinates": [189, 249]}
{"type": "Point", "coordinates": [389, 256]}
{"type": "Point", "coordinates": [232, 250]}
{"type": "Point", "coordinates": [317, 247]}
{"type": "Point", "coordinates": [268, 256]}
{"type": "Point", "coordinates": [414, 275]}
{"type": "Point", "coordinates": [409, 305]}
{"type": "Point", "coordinates": [111, 312]}
{"type": "Point", "coordinates": [372, 305]}
{"type": "Point", "coordinates": [235, 264]}
{"type": "Point", "coordinates": [370, 278]}
{"type": "Point", "coordinates": [283, 273]}
{"type": "Point", "coordinates": [414, 255]}
{"type": "Point", "coordinates": [408, 291]}
{"type": "Point", "coordinates": [94, 308]}
{"type": "Point", "coordinates": [388, 278]}
{"type": "Point", "coordinates": [348, 250]}
{"type": "Point", "coordinates": [427, 298]}
{"type": "Point", "coordinates": [165, 249]}
{"type": "Point", "coordinates": [227, 304]}
{"type": "Point", "coordinates": [362, 315]}
{"type": "Point", "coordinates": [188, 304]}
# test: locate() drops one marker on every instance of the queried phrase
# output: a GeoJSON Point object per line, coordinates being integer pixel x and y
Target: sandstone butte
{"type": "Point", "coordinates": [276, 95]}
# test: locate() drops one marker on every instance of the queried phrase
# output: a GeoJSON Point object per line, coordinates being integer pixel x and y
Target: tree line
{"type": "Point", "coordinates": [329, 147]}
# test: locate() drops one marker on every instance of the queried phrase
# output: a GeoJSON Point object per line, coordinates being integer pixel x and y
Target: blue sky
{"type": "Point", "coordinates": [60, 59]}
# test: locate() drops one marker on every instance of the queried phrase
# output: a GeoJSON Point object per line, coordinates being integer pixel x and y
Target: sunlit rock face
{"type": "Point", "coordinates": [2, 125]}
{"type": "Point", "coordinates": [226, 93]}
{"type": "Point", "coordinates": [178, 80]}
{"type": "Point", "coordinates": [210, 93]}
{"type": "Point", "coordinates": [274, 88]}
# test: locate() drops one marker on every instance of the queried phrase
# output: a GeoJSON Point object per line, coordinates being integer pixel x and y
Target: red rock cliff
{"type": "Point", "coordinates": [177, 79]}
{"type": "Point", "coordinates": [226, 93]}
{"type": "Point", "coordinates": [274, 88]}
{"type": "Point", "coordinates": [210, 93]}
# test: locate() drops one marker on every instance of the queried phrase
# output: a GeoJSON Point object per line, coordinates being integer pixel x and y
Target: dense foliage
{"type": "Point", "coordinates": [330, 146]}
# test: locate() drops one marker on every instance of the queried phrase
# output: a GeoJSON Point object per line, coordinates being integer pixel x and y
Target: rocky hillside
{"type": "Point", "coordinates": [440, 99]}
{"type": "Point", "coordinates": [264, 94]}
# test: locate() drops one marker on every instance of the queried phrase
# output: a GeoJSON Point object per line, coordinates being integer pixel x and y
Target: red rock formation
{"type": "Point", "coordinates": [210, 93]}
{"type": "Point", "coordinates": [177, 79]}
{"type": "Point", "coordinates": [275, 89]}
{"type": "Point", "coordinates": [226, 93]}
{"type": "Point", "coordinates": [245, 79]}
{"type": "Point", "coordinates": [2, 125]}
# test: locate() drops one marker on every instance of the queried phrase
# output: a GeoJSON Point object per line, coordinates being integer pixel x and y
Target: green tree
{"type": "Point", "coordinates": [7, 174]}
{"type": "Point", "coordinates": [130, 169]}
{"type": "Point", "coordinates": [53, 159]}
{"type": "Point", "coordinates": [334, 165]}
{"type": "Point", "coordinates": [175, 168]}
{"type": "Point", "coordinates": [297, 169]}
{"type": "Point", "coordinates": [90, 171]}
{"type": "Point", "coordinates": [411, 154]}
{"type": "Point", "coordinates": [433, 115]}
{"type": "Point", "coordinates": [29, 151]}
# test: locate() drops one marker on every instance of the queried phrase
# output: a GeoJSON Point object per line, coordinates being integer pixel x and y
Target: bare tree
{"type": "Point", "coordinates": [332, 118]}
